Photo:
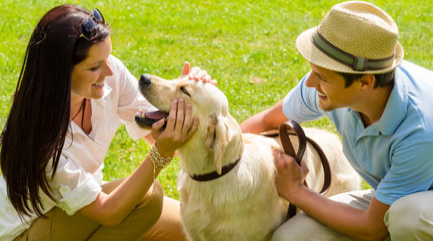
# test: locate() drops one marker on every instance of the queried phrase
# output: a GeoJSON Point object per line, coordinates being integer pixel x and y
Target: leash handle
{"type": "Point", "coordinates": [326, 167]}
{"type": "Point", "coordinates": [285, 130]}
{"type": "Point", "coordinates": [293, 128]}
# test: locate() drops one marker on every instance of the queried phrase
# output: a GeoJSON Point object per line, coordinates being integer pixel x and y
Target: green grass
{"type": "Point", "coordinates": [235, 41]}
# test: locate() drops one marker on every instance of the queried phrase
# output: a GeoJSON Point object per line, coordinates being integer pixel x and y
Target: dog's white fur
{"type": "Point", "coordinates": [243, 204]}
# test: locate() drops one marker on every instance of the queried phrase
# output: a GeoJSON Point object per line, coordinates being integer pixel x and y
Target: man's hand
{"type": "Point", "coordinates": [290, 176]}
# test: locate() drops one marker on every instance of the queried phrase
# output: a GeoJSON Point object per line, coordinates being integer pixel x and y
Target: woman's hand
{"type": "Point", "coordinates": [197, 74]}
{"type": "Point", "coordinates": [290, 176]}
{"type": "Point", "coordinates": [180, 127]}
{"type": "Point", "coordinates": [112, 207]}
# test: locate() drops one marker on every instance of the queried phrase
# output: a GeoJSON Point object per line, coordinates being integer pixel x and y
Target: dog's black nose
{"type": "Point", "coordinates": [144, 80]}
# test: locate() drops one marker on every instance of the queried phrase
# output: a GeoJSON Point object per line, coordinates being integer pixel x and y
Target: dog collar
{"type": "Point", "coordinates": [214, 175]}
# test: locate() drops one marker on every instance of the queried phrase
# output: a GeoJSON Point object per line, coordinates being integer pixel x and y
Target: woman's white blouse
{"type": "Point", "coordinates": [77, 181]}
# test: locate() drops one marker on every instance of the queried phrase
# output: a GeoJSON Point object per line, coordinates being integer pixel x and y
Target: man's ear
{"type": "Point", "coordinates": [367, 82]}
{"type": "Point", "coordinates": [216, 140]}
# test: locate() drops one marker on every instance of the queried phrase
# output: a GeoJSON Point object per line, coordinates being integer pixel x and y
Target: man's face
{"type": "Point", "coordinates": [331, 89]}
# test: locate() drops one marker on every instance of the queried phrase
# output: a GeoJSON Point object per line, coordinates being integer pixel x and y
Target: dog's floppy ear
{"type": "Point", "coordinates": [216, 140]}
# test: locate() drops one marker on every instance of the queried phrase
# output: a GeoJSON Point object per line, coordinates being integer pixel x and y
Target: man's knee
{"type": "Point", "coordinates": [303, 227]}
{"type": "Point", "coordinates": [293, 228]}
{"type": "Point", "coordinates": [411, 216]}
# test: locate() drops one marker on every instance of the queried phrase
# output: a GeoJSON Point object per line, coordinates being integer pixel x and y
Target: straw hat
{"type": "Point", "coordinates": [354, 37]}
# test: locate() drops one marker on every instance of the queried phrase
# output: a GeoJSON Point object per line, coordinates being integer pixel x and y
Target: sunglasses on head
{"type": "Point", "coordinates": [88, 29]}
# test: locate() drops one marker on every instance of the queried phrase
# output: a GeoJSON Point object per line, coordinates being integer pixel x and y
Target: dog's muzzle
{"type": "Point", "coordinates": [146, 119]}
{"type": "Point", "coordinates": [145, 81]}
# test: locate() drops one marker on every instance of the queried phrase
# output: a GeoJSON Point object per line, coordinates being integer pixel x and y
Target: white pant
{"type": "Point", "coordinates": [408, 218]}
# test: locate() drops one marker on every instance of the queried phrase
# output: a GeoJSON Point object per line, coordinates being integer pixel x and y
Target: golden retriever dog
{"type": "Point", "coordinates": [226, 183]}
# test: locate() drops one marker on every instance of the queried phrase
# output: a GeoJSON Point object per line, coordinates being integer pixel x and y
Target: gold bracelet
{"type": "Point", "coordinates": [158, 161]}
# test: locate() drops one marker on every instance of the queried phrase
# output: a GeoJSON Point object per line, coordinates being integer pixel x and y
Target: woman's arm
{"type": "Point", "coordinates": [111, 209]}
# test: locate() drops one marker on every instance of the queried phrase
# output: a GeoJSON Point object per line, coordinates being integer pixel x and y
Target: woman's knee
{"type": "Point", "coordinates": [153, 199]}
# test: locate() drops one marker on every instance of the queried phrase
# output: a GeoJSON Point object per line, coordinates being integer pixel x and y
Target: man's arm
{"type": "Point", "coordinates": [266, 120]}
{"type": "Point", "coordinates": [353, 222]}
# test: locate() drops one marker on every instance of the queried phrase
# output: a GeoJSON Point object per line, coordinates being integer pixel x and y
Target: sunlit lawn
{"type": "Point", "coordinates": [248, 46]}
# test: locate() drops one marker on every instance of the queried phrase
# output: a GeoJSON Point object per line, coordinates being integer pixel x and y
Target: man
{"type": "Point", "coordinates": [380, 106]}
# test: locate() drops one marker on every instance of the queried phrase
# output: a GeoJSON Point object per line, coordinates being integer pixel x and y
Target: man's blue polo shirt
{"type": "Point", "coordinates": [395, 154]}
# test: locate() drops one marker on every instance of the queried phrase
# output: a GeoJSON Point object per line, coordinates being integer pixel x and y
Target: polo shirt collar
{"type": "Point", "coordinates": [394, 112]}
{"type": "Point", "coordinates": [396, 107]}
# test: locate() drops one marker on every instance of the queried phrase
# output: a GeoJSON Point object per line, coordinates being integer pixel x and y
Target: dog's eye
{"type": "Point", "coordinates": [184, 91]}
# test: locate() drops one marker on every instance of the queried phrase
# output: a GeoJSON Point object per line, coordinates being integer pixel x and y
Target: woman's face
{"type": "Point", "coordinates": [88, 76]}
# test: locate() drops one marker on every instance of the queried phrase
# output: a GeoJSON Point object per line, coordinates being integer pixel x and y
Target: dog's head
{"type": "Point", "coordinates": [217, 129]}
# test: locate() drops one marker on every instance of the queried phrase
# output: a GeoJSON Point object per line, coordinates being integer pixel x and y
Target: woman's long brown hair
{"type": "Point", "coordinates": [39, 118]}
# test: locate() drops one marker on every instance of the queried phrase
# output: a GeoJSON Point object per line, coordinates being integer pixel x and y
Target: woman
{"type": "Point", "coordinates": [71, 97]}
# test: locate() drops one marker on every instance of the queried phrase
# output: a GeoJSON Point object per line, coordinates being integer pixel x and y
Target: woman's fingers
{"type": "Point", "coordinates": [188, 120]}
{"type": "Point", "coordinates": [156, 128]}
{"type": "Point", "coordinates": [194, 72]}
{"type": "Point", "coordinates": [172, 116]}
{"type": "Point", "coordinates": [201, 75]}
{"type": "Point", "coordinates": [180, 127]}
{"type": "Point", "coordinates": [194, 127]}
{"type": "Point", "coordinates": [197, 74]}
{"type": "Point", "coordinates": [179, 119]}
{"type": "Point", "coordinates": [213, 81]}
{"type": "Point", "coordinates": [186, 68]}
{"type": "Point", "coordinates": [207, 79]}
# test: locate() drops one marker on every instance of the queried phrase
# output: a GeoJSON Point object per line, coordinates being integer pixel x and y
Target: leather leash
{"type": "Point", "coordinates": [293, 128]}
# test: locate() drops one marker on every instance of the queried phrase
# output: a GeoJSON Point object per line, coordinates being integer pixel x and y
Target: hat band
{"type": "Point", "coordinates": [356, 63]}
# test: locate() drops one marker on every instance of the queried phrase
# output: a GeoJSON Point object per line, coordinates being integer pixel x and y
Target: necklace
{"type": "Point", "coordinates": [82, 108]}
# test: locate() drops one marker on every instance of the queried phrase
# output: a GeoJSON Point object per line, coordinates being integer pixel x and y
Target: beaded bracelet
{"type": "Point", "coordinates": [158, 161]}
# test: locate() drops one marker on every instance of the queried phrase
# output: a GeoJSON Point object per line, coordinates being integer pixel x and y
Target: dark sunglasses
{"type": "Point", "coordinates": [88, 29]}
